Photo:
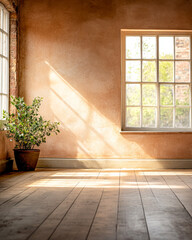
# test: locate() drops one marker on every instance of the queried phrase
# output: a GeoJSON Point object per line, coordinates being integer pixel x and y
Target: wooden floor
{"type": "Point", "coordinates": [96, 205]}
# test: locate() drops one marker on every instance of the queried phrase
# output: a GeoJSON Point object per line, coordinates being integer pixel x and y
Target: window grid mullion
{"type": "Point", "coordinates": [4, 57]}
{"type": "Point", "coordinates": [124, 111]}
{"type": "Point", "coordinates": [158, 88]}
{"type": "Point", "coordinates": [1, 78]}
{"type": "Point", "coordinates": [158, 84]}
{"type": "Point", "coordinates": [1, 62]}
{"type": "Point", "coordinates": [174, 95]}
{"type": "Point", "coordinates": [141, 80]}
{"type": "Point", "coordinates": [190, 48]}
{"type": "Point", "coordinates": [3, 31]}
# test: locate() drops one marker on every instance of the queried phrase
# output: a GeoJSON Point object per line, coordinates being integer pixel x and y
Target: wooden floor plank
{"type": "Point", "coordinates": [181, 190]}
{"type": "Point", "coordinates": [186, 178]}
{"type": "Point", "coordinates": [131, 218]}
{"type": "Point", "coordinates": [22, 219]}
{"type": "Point", "coordinates": [76, 204]}
{"type": "Point", "coordinates": [104, 224]}
{"type": "Point", "coordinates": [20, 190]}
{"type": "Point", "coordinates": [11, 181]}
{"type": "Point", "coordinates": [48, 226]}
{"type": "Point", "coordinates": [76, 223]}
{"type": "Point", "coordinates": [165, 215]}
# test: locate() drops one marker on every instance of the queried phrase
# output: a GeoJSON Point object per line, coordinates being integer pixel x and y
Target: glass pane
{"type": "Point", "coordinates": [1, 15]}
{"type": "Point", "coordinates": [1, 69]}
{"type": "Point", "coordinates": [5, 76]}
{"type": "Point", "coordinates": [182, 118]}
{"type": "Point", "coordinates": [166, 48]}
{"type": "Point", "coordinates": [4, 103]}
{"type": "Point", "coordinates": [182, 71]}
{"type": "Point", "coordinates": [149, 71]}
{"type": "Point", "coordinates": [5, 22]}
{"type": "Point", "coordinates": [166, 117]}
{"type": "Point", "coordinates": [149, 47]}
{"type": "Point", "coordinates": [5, 45]}
{"type": "Point", "coordinates": [133, 117]}
{"type": "Point", "coordinates": [133, 50]}
{"type": "Point", "coordinates": [1, 41]}
{"type": "Point", "coordinates": [166, 71]}
{"type": "Point", "coordinates": [182, 94]}
{"type": "Point", "coordinates": [133, 71]}
{"type": "Point", "coordinates": [1, 110]}
{"type": "Point", "coordinates": [182, 47]}
{"type": "Point", "coordinates": [149, 95]}
{"type": "Point", "coordinates": [133, 94]}
{"type": "Point", "coordinates": [149, 117]}
{"type": "Point", "coordinates": [166, 94]}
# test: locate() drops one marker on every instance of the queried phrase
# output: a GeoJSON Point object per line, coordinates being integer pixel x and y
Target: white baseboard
{"type": "Point", "coordinates": [114, 163]}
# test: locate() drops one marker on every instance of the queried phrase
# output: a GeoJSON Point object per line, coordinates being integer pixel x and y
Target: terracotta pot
{"type": "Point", "coordinates": [26, 160]}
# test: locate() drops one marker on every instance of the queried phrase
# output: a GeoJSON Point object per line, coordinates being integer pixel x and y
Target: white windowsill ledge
{"type": "Point", "coordinates": [155, 132]}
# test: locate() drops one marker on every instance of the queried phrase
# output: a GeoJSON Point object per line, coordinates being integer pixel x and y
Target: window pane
{"type": "Point", "coordinates": [149, 95]}
{"type": "Point", "coordinates": [5, 21]}
{"type": "Point", "coordinates": [182, 71]}
{"type": "Point", "coordinates": [133, 117]}
{"type": "Point", "coordinates": [5, 76]}
{"type": "Point", "coordinates": [1, 70]}
{"type": "Point", "coordinates": [166, 48]}
{"type": "Point", "coordinates": [149, 117]}
{"type": "Point", "coordinates": [166, 117]}
{"type": "Point", "coordinates": [149, 71]}
{"type": "Point", "coordinates": [182, 118]}
{"type": "Point", "coordinates": [133, 94]}
{"type": "Point", "coordinates": [1, 15]}
{"type": "Point", "coordinates": [1, 110]}
{"type": "Point", "coordinates": [133, 50]}
{"type": "Point", "coordinates": [133, 71]}
{"type": "Point", "coordinates": [1, 41]}
{"type": "Point", "coordinates": [182, 95]}
{"type": "Point", "coordinates": [166, 71]}
{"type": "Point", "coordinates": [4, 103]}
{"type": "Point", "coordinates": [166, 94]}
{"type": "Point", "coordinates": [149, 47]}
{"type": "Point", "coordinates": [5, 45]}
{"type": "Point", "coordinates": [182, 47]}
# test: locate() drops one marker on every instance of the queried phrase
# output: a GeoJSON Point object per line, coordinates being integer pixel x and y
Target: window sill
{"type": "Point", "coordinates": [155, 132]}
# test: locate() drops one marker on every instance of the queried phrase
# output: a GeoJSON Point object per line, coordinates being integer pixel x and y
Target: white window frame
{"type": "Point", "coordinates": [4, 79]}
{"type": "Point", "coordinates": [140, 33]}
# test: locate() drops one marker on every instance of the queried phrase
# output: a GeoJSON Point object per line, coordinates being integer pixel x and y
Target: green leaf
{"type": "Point", "coordinates": [27, 126]}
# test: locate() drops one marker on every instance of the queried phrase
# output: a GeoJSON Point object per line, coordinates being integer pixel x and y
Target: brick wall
{"type": "Point", "coordinates": [11, 6]}
{"type": "Point", "coordinates": [13, 90]}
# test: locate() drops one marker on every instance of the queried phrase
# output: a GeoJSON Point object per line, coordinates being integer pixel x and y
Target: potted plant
{"type": "Point", "coordinates": [28, 129]}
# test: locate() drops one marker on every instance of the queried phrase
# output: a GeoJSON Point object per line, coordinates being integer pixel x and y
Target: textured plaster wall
{"type": "Point", "coordinates": [70, 55]}
{"type": "Point", "coordinates": [3, 147]}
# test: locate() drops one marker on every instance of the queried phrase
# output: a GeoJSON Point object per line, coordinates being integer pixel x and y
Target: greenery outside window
{"type": "Point", "coordinates": [156, 80]}
{"type": "Point", "coordinates": [4, 60]}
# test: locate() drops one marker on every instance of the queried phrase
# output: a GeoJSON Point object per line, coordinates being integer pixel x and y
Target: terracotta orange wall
{"type": "Point", "coordinates": [3, 147]}
{"type": "Point", "coordinates": [70, 55]}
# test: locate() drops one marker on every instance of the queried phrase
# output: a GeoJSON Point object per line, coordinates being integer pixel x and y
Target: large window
{"type": "Point", "coordinates": [4, 59]}
{"type": "Point", "coordinates": [156, 81]}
